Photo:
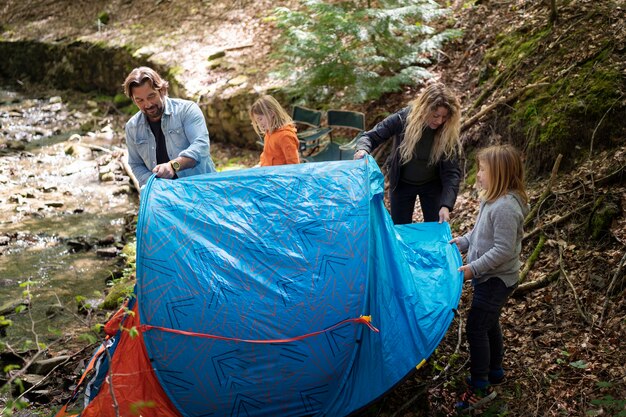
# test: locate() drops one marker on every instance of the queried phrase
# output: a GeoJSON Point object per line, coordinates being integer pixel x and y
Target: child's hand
{"type": "Point", "coordinates": [456, 240]}
{"type": "Point", "coordinates": [467, 272]}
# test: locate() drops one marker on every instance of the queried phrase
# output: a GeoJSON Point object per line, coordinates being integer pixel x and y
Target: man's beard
{"type": "Point", "coordinates": [155, 112]}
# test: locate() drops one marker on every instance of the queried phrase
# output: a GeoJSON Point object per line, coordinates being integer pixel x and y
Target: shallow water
{"type": "Point", "coordinates": [49, 196]}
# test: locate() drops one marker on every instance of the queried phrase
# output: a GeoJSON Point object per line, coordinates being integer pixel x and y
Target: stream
{"type": "Point", "coordinates": [64, 205]}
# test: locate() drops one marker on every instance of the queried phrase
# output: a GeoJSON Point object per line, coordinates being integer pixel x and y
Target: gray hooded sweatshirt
{"type": "Point", "coordinates": [494, 244]}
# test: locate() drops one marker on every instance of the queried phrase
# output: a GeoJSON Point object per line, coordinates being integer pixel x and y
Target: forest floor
{"type": "Point", "coordinates": [565, 340]}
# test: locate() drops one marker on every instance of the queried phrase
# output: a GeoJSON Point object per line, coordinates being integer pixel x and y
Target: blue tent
{"type": "Point", "coordinates": [253, 285]}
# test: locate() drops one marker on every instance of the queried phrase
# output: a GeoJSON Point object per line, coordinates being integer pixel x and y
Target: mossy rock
{"type": "Point", "coordinates": [606, 210]}
{"type": "Point", "coordinates": [117, 294]}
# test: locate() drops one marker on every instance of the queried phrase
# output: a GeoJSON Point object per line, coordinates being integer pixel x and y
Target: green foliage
{"type": "Point", "coordinates": [133, 332]}
{"type": "Point", "coordinates": [89, 338]}
{"type": "Point", "coordinates": [121, 100]}
{"type": "Point", "coordinates": [579, 364]}
{"type": "Point", "coordinates": [103, 17]}
{"type": "Point", "coordinates": [4, 322]}
{"type": "Point", "coordinates": [354, 54]}
{"type": "Point", "coordinates": [615, 406]}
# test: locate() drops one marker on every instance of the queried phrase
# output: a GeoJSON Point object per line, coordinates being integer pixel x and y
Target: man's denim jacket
{"type": "Point", "coordinates": [185, 133]}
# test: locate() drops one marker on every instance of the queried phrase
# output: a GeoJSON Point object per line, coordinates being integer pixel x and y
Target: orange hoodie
{"type": "Point", "coordinates": [280, 147]}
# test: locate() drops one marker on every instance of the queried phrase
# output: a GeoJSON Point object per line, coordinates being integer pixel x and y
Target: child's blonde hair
{"type": "Point", "coordinates": [447, 139]}
{"type": "Point", "coordinates": [273, 112]}
{"type": "Point", "coordinates": [505, 169]}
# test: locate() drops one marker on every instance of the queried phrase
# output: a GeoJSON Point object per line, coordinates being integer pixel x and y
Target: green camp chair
{"type": "Point", "coordinates": [308, 122]}
{"type": "Point", "coordinates": [305, 116]}
{"type": "Point", "coordinates": [315, 139]}
{"type": "Point", "coordinates": [340, 147]}
{"type": "Point", "coordinates": [344, 122]}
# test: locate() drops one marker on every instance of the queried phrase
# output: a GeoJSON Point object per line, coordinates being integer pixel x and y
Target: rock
{"type": "Point", "coordinates": [41, 396]}
{"type": "Point", "coordinates": [28, 380]}
{"type": "Point", "coordinates": [92, 104]}
{"type": "Point", "coordinates": [44, 366]}
{"type": "Point", "coordinates": [144, 52]}
{"type": "Point", "coordinates": [5, 282]}
{"type": "Point", "coordinates": [107, 240]}
{"type": "Point", "coordinates": [10, 306]}
{"type": "Point", "coordinates": [214, 63]}
{"type": "Point", "coordinates": [107, 177]}
{"type": "Point", "coordinates": [4, 240]}
{"type": "Point", "coordinates": [16, 198]}
{"type": "Point", "coordinates": [48, 189]}
{"type": "Point", "coordinates": [56, 204]}
{"type": "Point", "coordinates": [110, 252]}
{"type": "Point", "coordinates": [79, 244]}
{"type": "Point", "coordinates": [124, 189]}
{"type": "Point", "coordinates": [55, 99]}
{"type": "Point", "coordinates": [239, 80]}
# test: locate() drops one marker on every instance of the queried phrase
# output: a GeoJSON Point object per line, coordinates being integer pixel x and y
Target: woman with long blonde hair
{"type": "Point", "coordinates": [424, 156]}
{"type": "Point", "coordinates": [280, 143]}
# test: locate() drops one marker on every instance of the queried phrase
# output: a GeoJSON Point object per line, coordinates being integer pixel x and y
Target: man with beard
{"type": "Point", "coordinates": [167, 137]}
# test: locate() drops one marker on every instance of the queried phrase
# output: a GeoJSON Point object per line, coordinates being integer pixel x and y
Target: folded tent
{"type": "Point", "coordinates": [279, 291]}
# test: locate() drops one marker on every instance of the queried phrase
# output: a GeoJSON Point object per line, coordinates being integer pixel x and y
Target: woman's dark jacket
{"type": "Point", "coordinates": [393, 126]}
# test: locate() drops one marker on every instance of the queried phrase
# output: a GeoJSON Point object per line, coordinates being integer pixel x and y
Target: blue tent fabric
{"type": "Point", "coordinates": [275, 253]}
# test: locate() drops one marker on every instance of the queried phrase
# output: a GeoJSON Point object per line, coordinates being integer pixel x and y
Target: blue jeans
{"type": "Point", "coordinates": [484, 334]}
{"type": "Point", "coordinates": [403, 198]}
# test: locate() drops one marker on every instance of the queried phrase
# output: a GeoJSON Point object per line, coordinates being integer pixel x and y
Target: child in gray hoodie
{"type": "Point", "coordinates": [493, 247]}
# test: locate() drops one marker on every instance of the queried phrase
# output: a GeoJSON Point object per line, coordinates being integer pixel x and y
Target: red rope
{"type": "Point", "coordinates": [366, 320]}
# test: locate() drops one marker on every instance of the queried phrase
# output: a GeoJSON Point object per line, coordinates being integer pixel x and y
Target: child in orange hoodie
{"type": "Point", "coordinates": [280, 141]}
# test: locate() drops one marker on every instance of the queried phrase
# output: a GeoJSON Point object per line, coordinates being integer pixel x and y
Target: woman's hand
{"type": "Point", "coordinates": [360, 154]}
{"type": "Point", "coordinates": [444, 214]}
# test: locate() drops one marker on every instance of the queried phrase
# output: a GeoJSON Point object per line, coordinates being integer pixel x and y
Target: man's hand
{"type": "Point", "coordinates": [360, 154]}
{"type": "Point", "coordinates": [444, 214]}
{"type": "Point", "coordinates": [456, 241]}
{"type": "Point", "coordinates": [164, 171]}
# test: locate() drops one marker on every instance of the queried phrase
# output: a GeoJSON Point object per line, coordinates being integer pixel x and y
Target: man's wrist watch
{"type": "Point", "coordinates": [175, 165]}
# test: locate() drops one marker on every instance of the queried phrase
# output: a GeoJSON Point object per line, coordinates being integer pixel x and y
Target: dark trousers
{"type": "Point", "coordinates": [403, 198]}
{"type": "Point", "coordinates": [484, 334]}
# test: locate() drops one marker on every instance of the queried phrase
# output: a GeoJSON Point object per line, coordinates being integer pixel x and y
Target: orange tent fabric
{"type": "Point", "coordinates": [135, 385]}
